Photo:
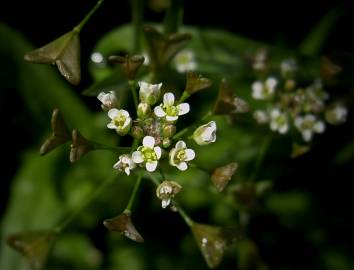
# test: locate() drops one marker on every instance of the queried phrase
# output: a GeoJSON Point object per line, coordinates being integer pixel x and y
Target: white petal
{"type": "Point", "coordinates": [165, 203]}
{"type": "Point", "coordinates": [298, 122]}
{"type": "Point", "coordinates": [101, 96]}
{"type": "Point", "coordinates": [171, 118]}
{"type": "Point", "coordinates": [113, 113]}
{"type": "Point", "coordinates": [319, 127]}
{"type": "Point", "coordinates": [274, 113]}
{"type": "Point", "coordinates": [149, 141]}
{"type": "Point", "coordinates": [190, 154]}
{"type": "Point", "coordinates": [137, 157]}
{"type": "Point", "coordinates": [168, 99]}
{"type": "Point", "coordinates": [307, 135]}
{"type": "Point", "coordinates": [111, 125]}
{"type": "Point", "coordinates": [283, 129]}
{"type": "Point", "coordinates": [124, 113]}
{"type": "Point", "coordinates": [212, 124]}
{"type": "Point", "coordinates": [127, 170]}
{"type": "Point", "coordinates": [271, 83]}
{"type": "Point", "coordinates": [182, 166]}
{"type": "Point", "coordinates": [180, 145]}
{"type": "Point", "coordinates": [157, 150]}
{"type": "Point", "coordinates": [172, 156]}
{"type": "Point", "coordinates": [151, 166]}
{"type": "Point", "coordinates": [159, 112]}
{"type": "Point", "coordinates": [273, 125]}
{"type": "Point", "coordinates": [117, 165]}
{"type": "Point", "coordinates": [183, 108]}
{"type": "Point", "coordinates": [127, 122]}
{"type": "Point", "coordinates": [143, 86]}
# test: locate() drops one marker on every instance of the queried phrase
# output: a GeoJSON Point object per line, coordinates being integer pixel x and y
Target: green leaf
{"type": "Point", "coordinates": [315, 40]}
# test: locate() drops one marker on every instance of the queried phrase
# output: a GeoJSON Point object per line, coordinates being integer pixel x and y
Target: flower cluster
{"type": "Point", "coordinates": [290, 103]}
{"type": "Point", "coordinates": [154, 127]}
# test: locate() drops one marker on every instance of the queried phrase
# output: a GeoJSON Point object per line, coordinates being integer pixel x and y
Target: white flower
{"type": "Point", "coordinates": [108, 100]}
{"type": "Point", "coordinates": [205, 134]}
{"type": "Point", "coordinates": [278, 121]}
{"type": "Point", "coordinates": [260, 60]}
{"type": "Point", "coordinates": [185, 61]}
{"type": "Point", "coordinates": [149, 93]}
{"type": "Point", "coordinates": [121, 121]}
{"type": "Point", "coordinates": [261, 116]}
{"type": "Point", "coordinates": [288, 66]}
{"type": "Point", "coordinates": [146, 59]}
{"type": "Point", "coordinates": [336, 115]}
{"type": "Point", "coordinates": [264, 90]}
{"type": "Point", "coordinates": [180, 155]}
{"type": "Point", "coordinates": [169, 110]}
{"type": "Point", "coordinates": [148, 154]}
{"type": "Point", "coordinates": [307, 125]}
{"type": "Point", "coordinates": [166, 191]}
{"type": "Point", "coordinates": [125, 163]}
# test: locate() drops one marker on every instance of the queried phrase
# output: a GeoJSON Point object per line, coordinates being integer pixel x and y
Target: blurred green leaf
{"type": "Point", "coordinates": [316, 39]}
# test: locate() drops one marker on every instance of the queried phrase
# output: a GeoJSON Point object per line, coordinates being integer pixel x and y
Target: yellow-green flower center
{"type": "Point", "coordinates": [149, 154]}
{"type": "Point", "coordinates": [171, 110]}
{"type": "Point", "coordinates": [119, 120]}
{"type": "Point", "coordinates": [181, 155]}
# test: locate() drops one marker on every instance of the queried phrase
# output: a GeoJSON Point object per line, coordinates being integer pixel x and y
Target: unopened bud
{"type": "Point", "coordinates": [168, 131]}
{"type": "Point", "coordinates": [205, 134]}
{"type": "Point", "coordinates": [137, 132]}
{"type": "Point", "coordinates": [166, 191]}
{"type": "Point", "coordinates": [166, 142]}
{"type": "Point", "coordinates": [144, 110]}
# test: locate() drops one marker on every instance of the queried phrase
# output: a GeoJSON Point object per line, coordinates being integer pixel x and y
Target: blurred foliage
{"type": "Point", "coordinates": [285, 228]}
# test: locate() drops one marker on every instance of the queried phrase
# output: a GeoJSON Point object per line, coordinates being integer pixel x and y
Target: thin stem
{"type": "Point", "coordinates": [79, 27]}
{"type": "Point", "coordinates": [260, 158]}
{"type": "Point", "coordinates": [84, 204]}
{"type": "Point", "coordinates": [133, 195]}
{"type": "Point", "coordinates": [192, 127]}
{"type": "Point", "coordinates": [183, 214]}
{"type": "Point", "coordinates": [137, 19]}
{"type": "Point", "coordinates": [184, 96]}
{"type": "Point", "coordinates": [134, 94]}
{"type": "Point", "coordinates": [174, 17]}
{"type": "Point", "coordinates": [100, 146]}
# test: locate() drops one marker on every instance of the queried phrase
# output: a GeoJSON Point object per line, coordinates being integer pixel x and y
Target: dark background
{"type": "Point", "coordinates": [280, 23]}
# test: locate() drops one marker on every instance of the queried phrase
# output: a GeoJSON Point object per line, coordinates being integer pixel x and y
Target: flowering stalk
{"type": "Point", "coordinates": [174, 17]}
{"type": "Point", "coordinates": [260, 158]}
{"type": "Point", "coordinates": [133, 195]}
{"type": "Point", "coordinates": [133, 90]}
{"type": "Point", "coordinates": [137, 19]}
{"type": "Point", "coordinates": [88, 16]}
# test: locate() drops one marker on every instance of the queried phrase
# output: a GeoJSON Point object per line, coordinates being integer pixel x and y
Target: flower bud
{"type": "Point", "coordinates": [137, 132]}
{"type": "Point", "coordinates": [144, 110]}
{"type": "Point", "coordinates": [166, 191]}
{"type": "Point", "coordinates": [149, 93]}
{"type": "Point", "coordinates": [168, 130]}
{"type": "Point", "coordinates": [336, 115]}
{"type": "Point", "coordinates": [166, 142]}
{"type": "Point", "coordinates": [108, 100]}
{"type": "Point", "coordinates": [205, 134]}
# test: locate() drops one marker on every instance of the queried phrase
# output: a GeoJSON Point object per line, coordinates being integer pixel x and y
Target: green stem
{"type": "Point", "coordinates": [133, 195]}
{"type": "Point", "coordinates": [100, 146]}
{"type": "Point", "coordinates": [260, 158]}
{"type": "Point", "coordinates": [174, 17]}
{"type": "Point", "coordinates": [137, 20]}
{"type": "Point", "coordinates": [183, 214]}
{"type": "Point", "coordinates": [134, 94]}
{"type": "Point", "coordinates": [193, 126]}
{"type": "Point", "coordinates": [79, 27]}
{"type": "Point", "coordinates": [84, 204]}
{"type": "Point", "coordinates": [184, 96]}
